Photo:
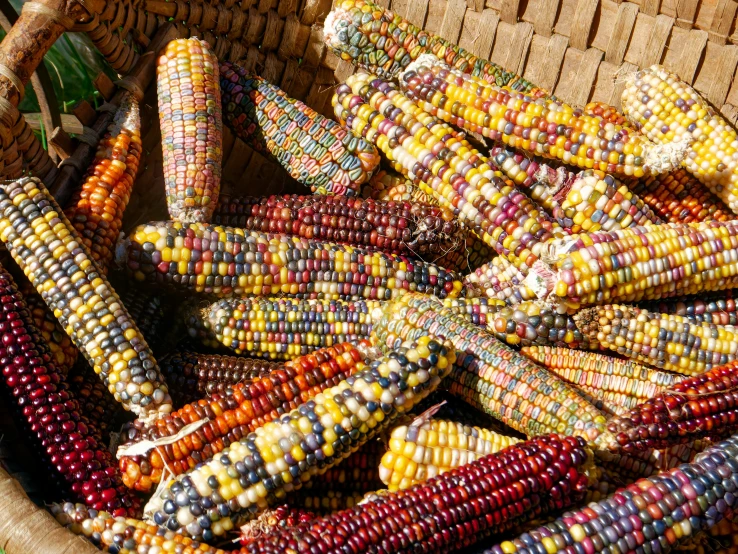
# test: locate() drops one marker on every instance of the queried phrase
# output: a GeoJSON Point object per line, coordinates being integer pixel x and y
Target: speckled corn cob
{"type": "Point", "coordinates": [192, 376]}
{"type": "Point", "coordinates": [669, 111]}
{"type": "Point", "coordinates": [96, 209]}
{"type": "Point", "coordinates": [677, 197]}
{"type": "Point", "coordinates": [63, 351]}
{"type": "Point", "coordinates": [422, 451]}
{"type": "Point", "coordinates": [652, 515]}
{"type": "Point", "coordinates": [717, 308]}
{"type": "Point", "coordinates": [190, 116]}
{"type": "Point", "coordinates": [412, 229]}
{"type": "Point", "coordinates": [641, 263]}
{"type": "Point", "coordinates": [227, 261]}
{"type": "Point", "coordinates": [670, 342]}
{"type": "Point", "coordinates": [50, 417]}
{"type": "Point", "coordinates": [44, 244]}
{"type": "Point", "coordinates": [491, 376]}
{"type": "Point", "coordinates": [376, 39]}
{"type": "Point", "coordinates": [314, 150]}
{"type": "Point", "coordinates": [541, 126]}
{"type": "Point", "coordinates": [225, 419]}
{"type": "Point", "coordinates": [431, 152]}
{"type": "Point", "coordinates": [619, 384]}
{"type": "Point", "coordinates": [120, 535]}
{"type": "Point", "coordinates": [282, 328]}
{"type": "Point", "coordinates": [453, 511]}
{"type": "Point", "coordinates": [280, 456]}
{"type": "Point", "coordinates": [596, 201]}
{"type": "Point", "coordinates": [501, 280]}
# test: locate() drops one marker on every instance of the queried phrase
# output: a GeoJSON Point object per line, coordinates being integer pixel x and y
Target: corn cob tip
{"type": "Point", "coordinates": [330, 28]}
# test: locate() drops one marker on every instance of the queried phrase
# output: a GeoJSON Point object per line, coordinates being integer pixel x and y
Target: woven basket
{"type": "Point", "coordinates": [580, 49]}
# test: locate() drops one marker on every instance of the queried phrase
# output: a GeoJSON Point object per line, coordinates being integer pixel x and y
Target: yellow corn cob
{"type": "Point", "coordinates": [96, 210]}
{"type": "Point", "coordinates": [423, 450]}
{"type": "Point", "coordinates": [619, 384]}
{"type": "Point", "coordinates": [190, 116]}
{"type": "Point", "coordinates": [670, 111]}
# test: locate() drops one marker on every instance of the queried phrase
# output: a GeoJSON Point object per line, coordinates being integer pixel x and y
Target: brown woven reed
{"type": "Point", "coordinates": [579, 49]}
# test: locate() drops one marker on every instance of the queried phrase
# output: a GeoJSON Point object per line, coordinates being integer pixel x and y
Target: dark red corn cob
{"type": "Point", "coordinates": [233, 416]}
{"type": "Point", "coordinates": [52, 414]}
{"type": "Point", "coordinates": [702, 406]}
{"type": "Point", "coordinates": [452, 511]}
{"type": "Point", "coordinates": [395, 227]}
{"type": "Point", "coordinates": [192, 376]}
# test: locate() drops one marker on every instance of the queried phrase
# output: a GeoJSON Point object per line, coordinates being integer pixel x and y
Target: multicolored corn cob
{"type": "Point", "coordinates": [122, 535]}
{"type": "Point", "coordinates": [542, 126]}
{"type": "Point", "coordinates": [606, 113]}
{"type": "Point", "coordinates": [677, 197]}
{"type": "Point", "coordinates": [188, 89]}
{"type": "Point", "coordinates": [175, 444]}
{"type": "Point", "coordinates": [38, 393]}
{"type": "Point", "coordinates": [421, 451]}
{"type": "Point", "coordinates": [278, 457]}
{"type": "Point", "coordinates": [490, 376]}
{"type": "Point", "coordinates": [668, 110]}
{"type": "Point", "coordinates": [619, 384]}
{"type": "Point", "coordinates": [701, 406]}
{"type": "Point", "coordinates": [283, 328]}
{"type": "Point", "coordinates": [529, 324]}
{"type": "Point", "coordinates": [227, 261]}
{"type": "Point", "coordinates": [45, 245]}
{"type": "Point", "coordinates": [651, 515]}
{"type": "Point", "coordinates": [455, 510]}
{"type": "Point", "coordinates": [96, 209]}
{"type": "Point", "coordinates": [459, 177]}
{"type": "Point", "coordinates": [640, 263]}
{"type": "Point", "coordinates": [596, 201]}
{"type": "Point", "coordinates": [717, 308]}
{"type": "Point", "coordinates": [63, 351]}
{"type": "Point", "coordinates": [667, 341]}
{"type": "Point", "coordinates": [501, 280]}
{"type": "Point", "coordinates": [192, 376]}
{"type": "Point", "coordinates": [376, 39]}
{"type": "Point", "coordinates": [95, 402]}
{"type": "Point", "coordinates": [411, 229]}
{"type": "Point", "coordinates": [314, 150]}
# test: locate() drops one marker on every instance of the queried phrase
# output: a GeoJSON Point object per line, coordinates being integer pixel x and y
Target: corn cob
{"type": "Point", "coordinates": [227, 261]}
{"type": "Point", "coordinates": [39, 394]}
{"type": "Point", "coordinates": [454, 510]}
{"type": "Point", "coordinates": [670, 111]}
{"type": "Point", "coordinates": [280, 456]}
{"type": "Point", "coordinates": [48, 249]}
{"type": "Point", "coordinates": [596, 201]}
{"type": "Point", "coordinates": [390, 186]}
{"type": "Point", "coordinates": [542, 126]}
{"type": "Point", "coordinates": [96, 209]}
{"type": "Point", "coordinates": [619, 384]}
{"type": "Point", "coordinates": [94, 399]}
{"type": "Point", "coordinates": [530, 324]}
{"type": "Point", "coordinates": [192, 376]}
{"type": "Point", "coordinates": [640, 263]}
{"type": "Point", "coordinates": [314, 150]}
{"type": "Point", "coordinates": [677, 197]}
{"type": "Point", "coordinates": [652, 515]}
{"type": "Point", "coordinates": [607, 113]}
{"type": "Point", "coordinates": [717, 308]}
{"type": "Point", "coordinates": [417, 230]}
{"type": "Point", "coordinates": [670, 342]}
{"type": "Point", "coordinates": [121, 535]}
{"type": "Point", "coordinates": [282, 328]}
{"type": "Point", "coordinates": [489, 375]}
{"type": "Point", "coordinates": [498, 214]}
{"type": "Point", "coordinates": [226, 419]}
{"type": "Point", "coordinates": [376, 39]}
{"type": "Point", "coordinates": [422, 451]}
{"type": "Point", "coordinates": [63, 351]}
{"type": "Point", "coordinates": [499, 279]}
{"type": "Point", "coordinates": [701, 406]}
{"type": "Point", "coordinates": [190, 116]}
